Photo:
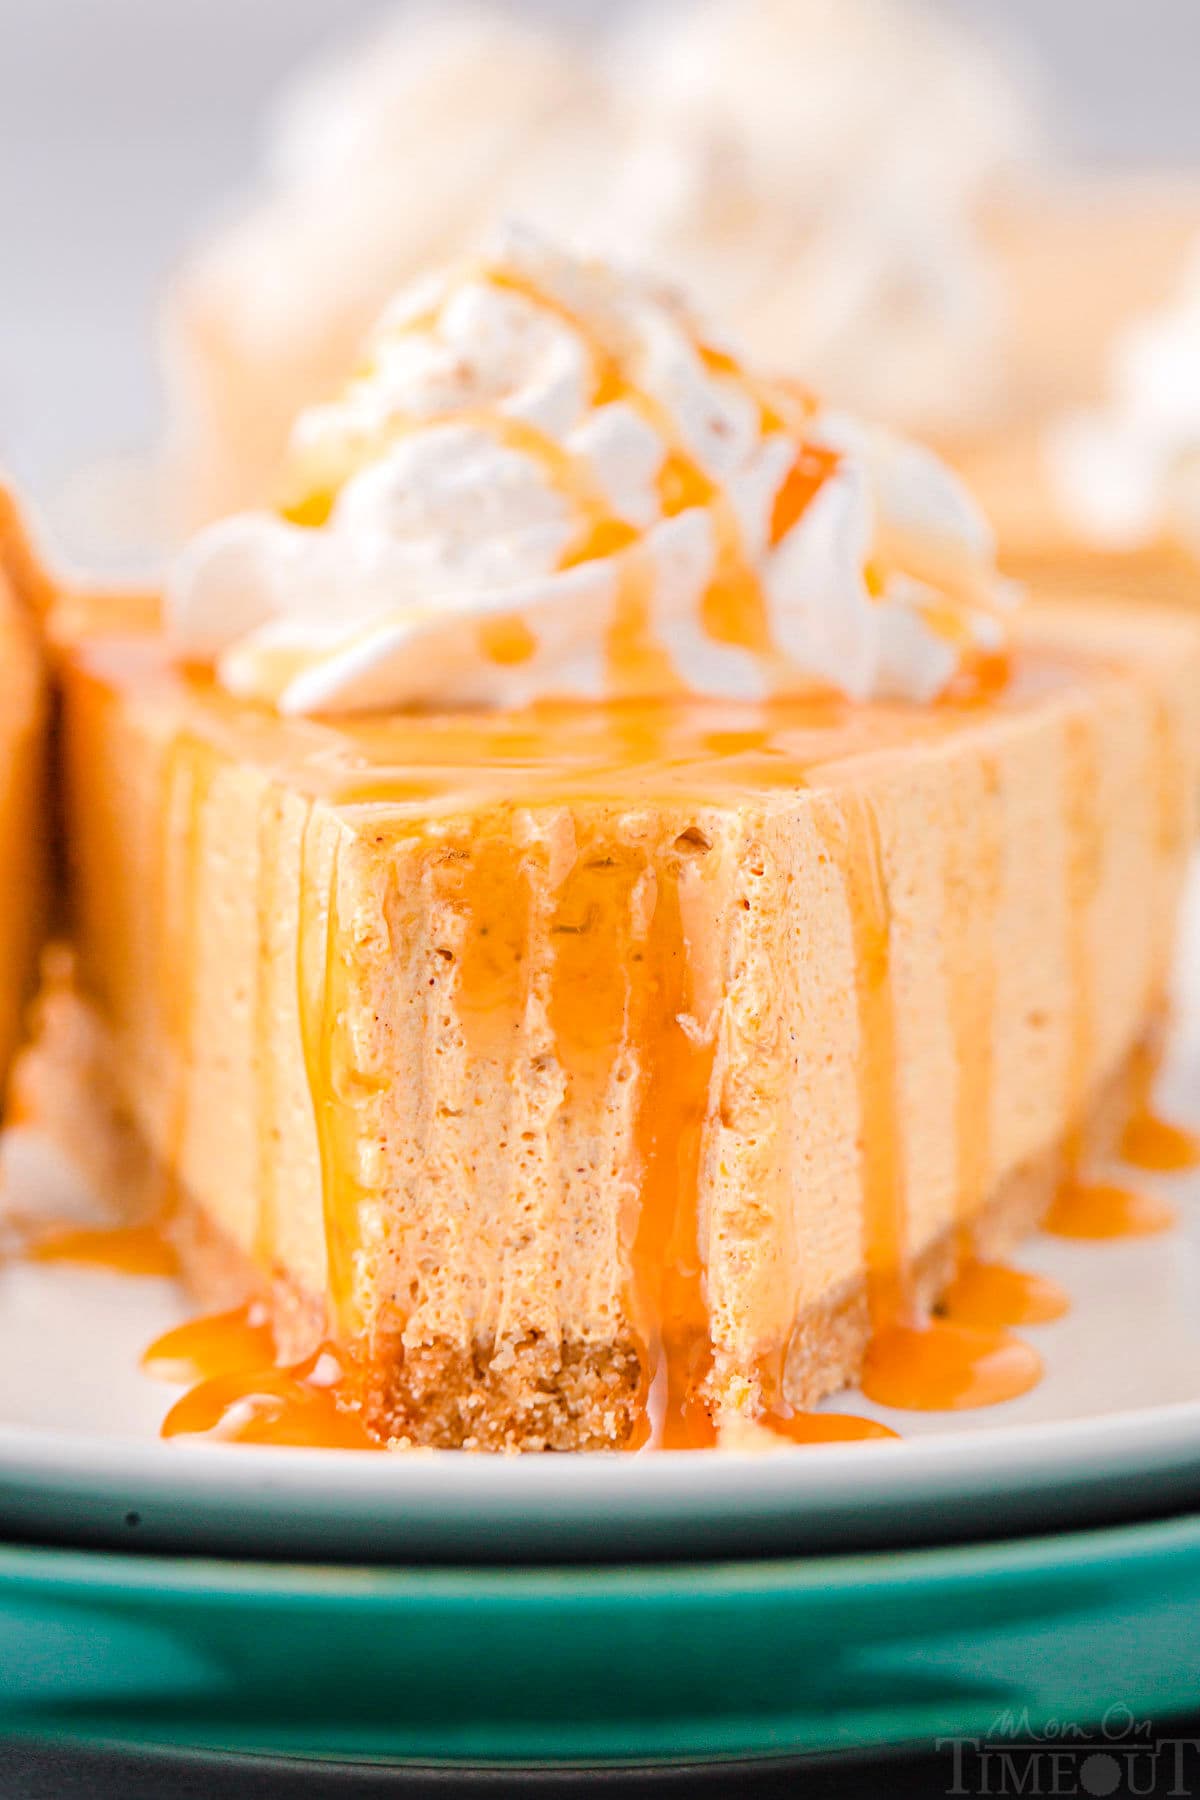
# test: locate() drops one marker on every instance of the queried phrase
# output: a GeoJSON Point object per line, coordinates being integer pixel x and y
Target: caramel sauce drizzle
{"type": "Point", "coordinates": [24, 900]}
{"type": "Point", "coordinates": [1083, 1208]}
{"type": "Point", "coordinates": [667, 1299]}
{"type": "Point", "coordinates": [912, 1362]}
{"type": "Point", "coordinates": [321, 988]}
{"type": "Point", "coordinates": [1149, 1141]}
{"type": "Point", "coordinates": [985, 1295]}
{"type": "Point", "coordinates": [853, 845]}
{"type": "Point", "coordinates": [598, 949]}
{"type": "Point", "coordinates": [734, 608]}
{"type": "Point", "coordinates": [813, 467]}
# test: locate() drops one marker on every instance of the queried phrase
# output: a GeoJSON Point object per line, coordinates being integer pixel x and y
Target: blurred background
{"type": "Point", "coordinates": [126, 125]}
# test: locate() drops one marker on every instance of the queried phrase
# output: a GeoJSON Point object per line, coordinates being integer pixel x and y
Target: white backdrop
{"type": "Point", "coordinates": [124, 122]}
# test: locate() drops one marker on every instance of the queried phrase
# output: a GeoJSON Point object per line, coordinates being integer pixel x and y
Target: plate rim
{"type": "Point", "coordinates": [110, 1572]}
{"type": "Point", "coordinates": [448, 1506]}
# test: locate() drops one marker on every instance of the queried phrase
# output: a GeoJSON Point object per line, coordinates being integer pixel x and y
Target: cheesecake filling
{"type": "Point", "coordinates": [549, 480]}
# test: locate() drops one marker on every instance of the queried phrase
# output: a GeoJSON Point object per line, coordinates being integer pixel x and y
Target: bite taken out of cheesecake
{"type": "Point", "coordinates": [24, 800]}
{"type": "Point", "coordinates": [596, 908]}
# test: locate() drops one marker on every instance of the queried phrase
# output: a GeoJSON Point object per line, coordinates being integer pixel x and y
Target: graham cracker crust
{"type": "Point", "coordinates": [525, 1396]}
{"type": "Point", "coordinates": [829, 1340]}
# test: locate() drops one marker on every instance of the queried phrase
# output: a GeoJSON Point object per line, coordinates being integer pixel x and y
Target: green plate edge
{"type": "Point", "coordinates": [602, 1664]}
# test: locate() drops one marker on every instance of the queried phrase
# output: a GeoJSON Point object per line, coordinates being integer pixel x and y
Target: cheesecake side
{"type": "Point", "coordinates": [24, 830]}
{"type": "Point", "coordinates": [496, 1080]}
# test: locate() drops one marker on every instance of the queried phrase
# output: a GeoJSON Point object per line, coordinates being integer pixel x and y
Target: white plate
{"type": "Point", "coordinates": [1113, 1430]}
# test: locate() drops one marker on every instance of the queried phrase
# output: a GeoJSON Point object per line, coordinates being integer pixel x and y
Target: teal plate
{"type": "Point", "coordinates": [587, 1665]}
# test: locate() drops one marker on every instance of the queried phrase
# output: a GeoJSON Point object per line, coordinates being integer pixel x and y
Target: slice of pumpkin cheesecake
{"type": "Point", "coordinates": [600, 904]}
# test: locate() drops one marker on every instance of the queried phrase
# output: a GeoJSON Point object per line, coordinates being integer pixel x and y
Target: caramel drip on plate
{"type": "Point", "coordinates": [667, 1299]}
{"type": "Point", "coordinates": [940, 1367]}
{"type": "Point", "coordinates": [218, 1344]}
{"type": "Point", "coordinates": [826, 1428]}
{"type": "Point", "coordinates": [1148, 1141]}
{"type": "Point", "coordinates": [1155, 1144]}
{"type": "Point", "coordinates": [1099, 1209]}
{"type": "Point", "coordinates": [124, 1249]}
{"type": "Point", "coordinates": [308, 1406]}
{"type": "Point", "coordinates": [912, 1362]}
{"type": "Point", "coordinates": [990, 1295]}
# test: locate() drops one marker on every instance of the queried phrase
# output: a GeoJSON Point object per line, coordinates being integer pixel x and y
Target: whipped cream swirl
{"type": "Point", "coordinates": [547, 480]}
{"type": "Point", "coordinates": [1127, 475]}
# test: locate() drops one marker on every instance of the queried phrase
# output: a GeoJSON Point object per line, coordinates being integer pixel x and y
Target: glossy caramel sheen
{"type": "Point", "coordinates": [828, 1428]}
{"type": "Point", "coordinates": [939, 1367]}
{"type": "Point", "coordinates": [991, 1295]}
{"type": "Point", "coordinates": [308, 1407]}
{"type": "Point", "coordinates": [1101, 1209]}
{"type": "Point", "coordinates": [1148, 1140]}
{"type": "Point", "coordinates": [216, 1344]}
